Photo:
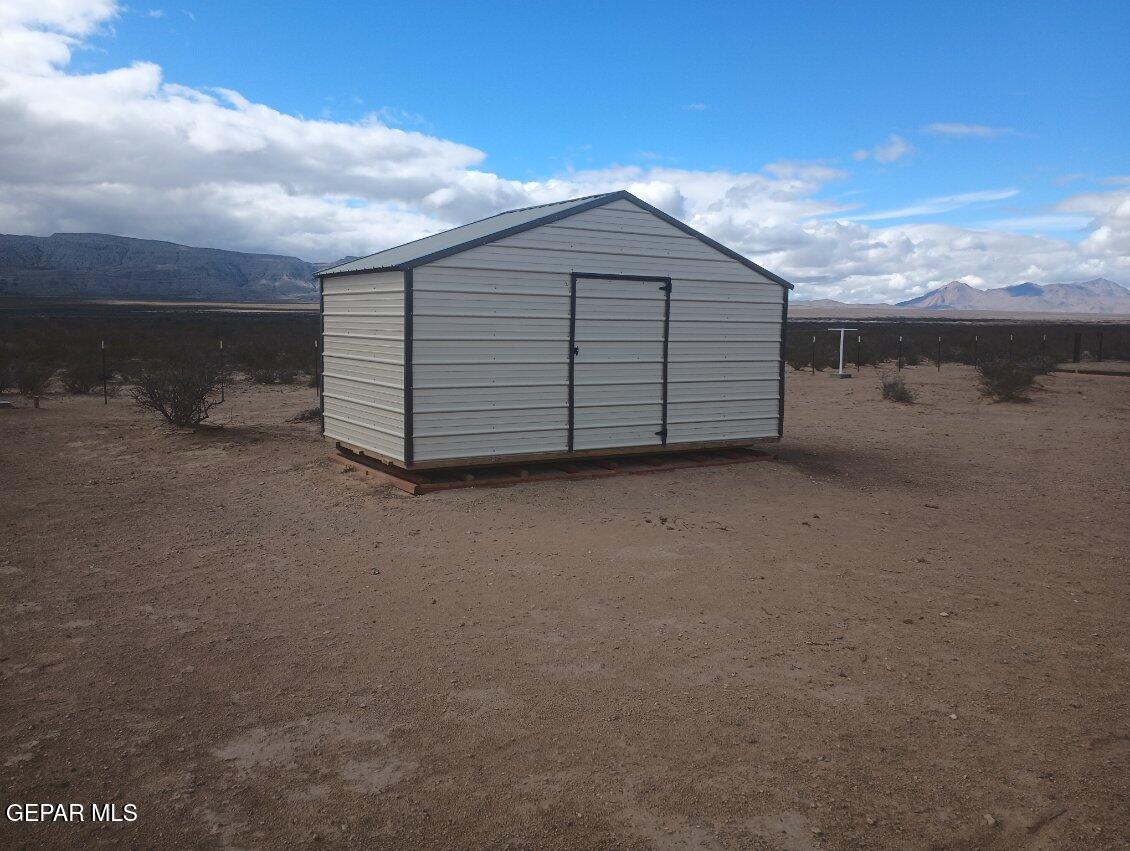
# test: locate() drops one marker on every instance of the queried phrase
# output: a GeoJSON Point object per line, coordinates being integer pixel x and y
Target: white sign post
{"type": "Point", "coordinates": [840, 373]}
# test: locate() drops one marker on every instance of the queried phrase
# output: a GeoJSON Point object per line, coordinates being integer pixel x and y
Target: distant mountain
{"type": "Point", "coordinates": [1095, 296]}
{"type": "Point", "coordinates": [97, 265]}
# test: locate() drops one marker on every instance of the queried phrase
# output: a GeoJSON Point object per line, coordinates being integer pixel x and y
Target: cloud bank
{"type": "Point", "coordinates": [129, 152]}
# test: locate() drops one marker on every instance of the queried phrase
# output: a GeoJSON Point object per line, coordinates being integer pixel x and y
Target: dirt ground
{"type": "Point", "coordinates": [909, 632]}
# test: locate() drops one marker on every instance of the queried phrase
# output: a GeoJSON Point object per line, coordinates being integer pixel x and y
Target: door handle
{"type": "Point", "coordinates": [576, 350]}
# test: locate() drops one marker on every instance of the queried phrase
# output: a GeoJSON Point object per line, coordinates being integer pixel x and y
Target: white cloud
{"type": "Point", "coordinates": [941, 128]}
{"type": "Point", "coordinates": [894, 148]}
{"type": "Point", "coordinates": [128, 152]}
{"type": "Point", "coordinates": [943, 204]}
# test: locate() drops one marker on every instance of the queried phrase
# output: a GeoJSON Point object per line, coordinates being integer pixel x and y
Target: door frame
{"type": "Point", "coordinates": [666, 287]}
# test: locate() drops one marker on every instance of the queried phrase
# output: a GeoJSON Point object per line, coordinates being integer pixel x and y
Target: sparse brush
{"type": "Point", "coordinates": [797, 362]}
{"type": "Point", "coordinates": [894, 389]}
{"type": "Point", "coordinates": [1005, 380]}
{"type": "Point", "coordinates": [182, 393]}
{"type": "Point", "coordinates": [81, 376]}
{"type": "Point", "coordinates": [32, 379]}
{"type": "Point", "coordinates": [912, 359]}
{"type": "Point", "coordinates": [307, 416]}
{"type": "Point", "coordinates": [1042, 364]}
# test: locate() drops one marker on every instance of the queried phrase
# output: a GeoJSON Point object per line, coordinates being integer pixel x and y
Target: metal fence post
{"type": "Point", "coordinates": [858, 350]}
{"type": "Point", "coordinates": [105, 393]}
{"type": "Point", "coordinates": [939, 354]}
{"type": "Point", "coordinates": [976, 338]}
{"type": "Point", "coordinates": [1010, 347]}
{"type": "Point", "coordinates": [221, 370]}
{"type": "Point", "coordinates": [813, 354]}
{"type": "Point", "coordinates": [900, 353]}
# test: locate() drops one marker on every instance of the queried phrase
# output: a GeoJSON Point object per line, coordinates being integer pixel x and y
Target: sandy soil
{"type": "Point", "coordinates": [911, 631]}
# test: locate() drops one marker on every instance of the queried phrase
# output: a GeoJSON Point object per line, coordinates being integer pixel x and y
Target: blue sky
{"type": "Point", "coordinates": [1004, 117]}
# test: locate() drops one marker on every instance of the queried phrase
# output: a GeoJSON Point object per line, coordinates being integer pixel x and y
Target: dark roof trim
{"type": "Point", "coordinates": [596, 201]}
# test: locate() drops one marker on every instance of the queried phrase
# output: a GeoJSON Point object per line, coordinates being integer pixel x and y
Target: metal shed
{"type": "Point", "coordinates": [595, 326]}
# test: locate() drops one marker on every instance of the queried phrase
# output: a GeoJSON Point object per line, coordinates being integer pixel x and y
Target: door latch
{"type": "Point", "coordinates": [576, 350]}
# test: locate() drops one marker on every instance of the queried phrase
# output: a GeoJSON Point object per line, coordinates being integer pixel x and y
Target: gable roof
{"type": "Point", "coordinates": [448, 242]}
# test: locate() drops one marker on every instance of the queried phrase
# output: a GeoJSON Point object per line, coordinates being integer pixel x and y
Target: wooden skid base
{"type": "Point", "coordinates": [426, 481]}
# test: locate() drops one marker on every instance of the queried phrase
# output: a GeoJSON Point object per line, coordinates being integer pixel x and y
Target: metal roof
{"type": "Point", "coordinates": [448, 242]}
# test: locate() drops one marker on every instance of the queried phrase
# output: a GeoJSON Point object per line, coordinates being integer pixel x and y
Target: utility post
{"type": "Point", "coordinates": [840, 372]}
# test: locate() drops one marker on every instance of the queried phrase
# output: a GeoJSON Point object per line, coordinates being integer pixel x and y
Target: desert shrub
{"type": "Point", "coordinates": [912, 358]}
{"type": "Point", "coordinates": [894, 389]}
{"type": "Point", "coordinates": [271, 375]}
{"type": "Point", "coordinates": [183, 393]}
{"type": "Point", "coordinates": [307, 416]}
{"type": "Point", "coordinates": [32, 378]}
{"type": "Point", "coordinates": [1042, 364]}
{"type": "Point", "coordinates": [797, 362]}
{"type": "Point", "coordinates": [1005, 380]}
{"type": "Point", "coordinates": [81, 376]}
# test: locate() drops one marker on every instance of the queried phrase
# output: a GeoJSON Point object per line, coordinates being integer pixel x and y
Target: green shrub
{"type": "Point", "coordinates": [81, 376]}
{"type": "Point", "coordinates": [32, 379]}
{"type": "Point", "coordinates": [894, 389]}
{"type": "Point", "coordinates": [1005, 380]}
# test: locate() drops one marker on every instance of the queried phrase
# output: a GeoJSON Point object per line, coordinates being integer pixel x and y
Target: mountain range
{"type": "Point", "coordinates": [98, 265]}
{"type": "Point", "coordinates": [1098, 295]}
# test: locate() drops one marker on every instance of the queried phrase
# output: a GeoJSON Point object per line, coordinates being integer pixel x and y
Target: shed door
{"type": "Point", "coordinates": [618, 375]}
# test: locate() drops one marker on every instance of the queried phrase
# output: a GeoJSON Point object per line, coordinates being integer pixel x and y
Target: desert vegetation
{"type": "Point", "coordinates": [894, 389]}
{"type": "Point", "coordinates": [1005, 380]}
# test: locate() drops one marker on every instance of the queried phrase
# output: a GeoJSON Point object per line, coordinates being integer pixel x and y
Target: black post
{"type": "Point", "coordinates": [813, 354]}
{"type": "Point", "coordinates": [939, 354]}
{"type": "Point", "coordinates": [1043, 346]}
{"type": "Point", "coordinates": [221, 370]}
{"type": "Point", "coordinates": [105, 394]}
{"type": "Point", "coordinates": [900, 353]}
{"type": "Point", "coordinates": [1077, 354]}
{"type": "Point", "coordinates": [858, 350]}
{"type": "Point", "coordinates": [1010, 347]}
{"type": "Point", "coordinates": [976, 337]}
{"type": "Point", "coordinates": [1100, 345]}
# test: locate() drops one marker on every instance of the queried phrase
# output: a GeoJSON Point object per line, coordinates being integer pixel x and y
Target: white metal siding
{"type": "Point", "coordinates": [363, 353]}
{"type": "Point", "coordinates": [723, 374]}
{"type": "Point", "coordinates": [491, 336]}
{"type": "Point", "coordinates": [490, 362]}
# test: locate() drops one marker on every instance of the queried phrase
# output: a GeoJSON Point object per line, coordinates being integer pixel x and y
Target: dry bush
{"type": "Point", "coordinates": [894, 389]}
{"type": "Point", "coordinates": [797, 362]}
{"type": "Point", "coordinates": [81, 376]}
{"type": "Point", "coordinates": [308, 415]}
{"type": "Point", "coordinates": [182, 393]}
{"type": "Point", "coordinates": [1005, 380]}
{"type": "Point", "coordinates": [1042, 364]}
{"type": "Point", "coordinates": [32, 379]}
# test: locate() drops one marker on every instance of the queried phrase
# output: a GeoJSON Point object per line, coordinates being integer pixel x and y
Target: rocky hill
{"type": "Point", "coordinates": [97, 265]}
{"type": "Point", "coordinates": [1098, 295]}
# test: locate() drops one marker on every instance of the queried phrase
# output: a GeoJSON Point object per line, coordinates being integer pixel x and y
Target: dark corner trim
{"type": "Point", "coordinates": [781, 379]}
{"type": "Point", "coordinates": [408, 416]}
{"type": "Point", "coordinates": [572, 359]}
{"type": "Point", "coordinates": [322, 352]}
{"type": "Point", "coordinates": [666, 348]}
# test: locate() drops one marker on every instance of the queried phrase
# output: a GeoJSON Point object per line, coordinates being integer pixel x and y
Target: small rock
{"type": "Point", "coordinates": [953, 717]}
{"type": "Point", "coordinates": [990, 821]}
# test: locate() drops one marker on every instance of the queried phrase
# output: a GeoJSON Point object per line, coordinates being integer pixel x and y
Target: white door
{"type": "Point", "coordinates": [619, 362]}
